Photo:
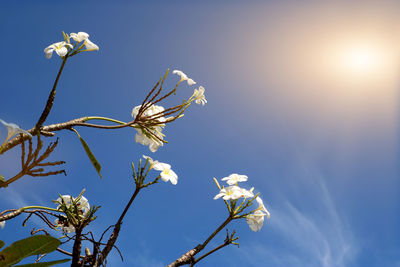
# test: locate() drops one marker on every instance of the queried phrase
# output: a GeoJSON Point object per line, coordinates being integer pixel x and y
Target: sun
{"type": "Point", "coordinates": [361, 59]}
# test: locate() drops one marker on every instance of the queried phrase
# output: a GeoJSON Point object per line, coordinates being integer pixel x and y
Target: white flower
{"type": "Point", "coordinates": [83, 208]}
{"type": "Point", "coordinates": [90, 46]}
{"type": "Point", "coordinates": [261, 207]}
{"type": "Point", "coordinates": [84, 37]}
{"type": "Point", "coordinates": [184, 77]}
{"type": "Point", "coordinates": [2, 224]}
{"type": "Point", "coordinates": [234, 178]}
{"type": "Point", "coordinates": [13, 129]}
{"type": "Point", "coordinates": [79, 37]}
{"type": "Point", "coordinates": [255, 220]}
{"type": "Point", "coordinates": [150, 111]}
{"type": "Point", "coordinates": [230, 192]}
{"type": "Point", "coordinates": [83, 203]}
{"type": "Point", "coordinates": [247, 193]}
{"type": "Point", "coordinates": [199, 96]}
{"type": "Point", "coordinates": [66, 227]}
{"type": "Point", "coordinates": [153, 143]}
{"type": "Point", "coordinates": [166, 173]}
{"type": "Point", "coordinates": [60, 48]}
{"type": "Point", "coordinates": [151, 161]}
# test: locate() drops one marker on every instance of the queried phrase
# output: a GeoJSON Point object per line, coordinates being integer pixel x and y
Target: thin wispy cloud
{"type": "Point", "coordinates": [308, 237]}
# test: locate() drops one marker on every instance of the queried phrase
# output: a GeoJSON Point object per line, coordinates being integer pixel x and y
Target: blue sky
{"type": "Point", "coordinates": [317, 139]}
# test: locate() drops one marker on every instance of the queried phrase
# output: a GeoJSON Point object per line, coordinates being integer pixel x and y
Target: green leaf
{"type": "Point", "coordinates": [1, 243]}
{"type": "Point", "coordinates": [92, 158]}
{"type": "Point", "coordinates": [34, 245]}
{"type": "Point", "coordinates": [43, 264]}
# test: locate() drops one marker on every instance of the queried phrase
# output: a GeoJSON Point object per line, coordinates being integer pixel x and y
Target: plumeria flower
{"type": "Point", "coordinates": [60, 48]}
{"type": "Point", "coordinates": [84, 37]}
{"type": "Point", "coordinates": [199, 96]}
{"type": "Point", "coordinates": [166, 173]}
{"type": "Point", "coordinates": [153, 143]}
{"type": "Point", "coordinates": [231, 192]}
{"type": "Point", "coordinates": [255, 220]}
{"type": "Point", "coordinates": [2, 224]}
{"type": "Point", "coordinates": [66, 226]}
{"type": "Point", "coordinates": [83, 203]}
{"type": "Point", "coordinates": [234, 178]}
{"type": "Point", "coordinates": [184, 77]}
{"type": "Point", "coordinates": [79, 37]}
{"type": "Point", "coordinates": [247, 193]}
{"type": "Point", "coordinates": [151, 161]}
{"type": "Point", "coordinates": [83, 208]}
{"type": "Point", "coordinates": [261, 207]}
{"type": "Point", "coordinates": [150, 111]}
{"type": "Point", "coordinates": [13, 129]}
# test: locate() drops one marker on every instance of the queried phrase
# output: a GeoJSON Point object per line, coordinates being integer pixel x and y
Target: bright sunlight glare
{"type": "Point", "coordinates": [362, 59]}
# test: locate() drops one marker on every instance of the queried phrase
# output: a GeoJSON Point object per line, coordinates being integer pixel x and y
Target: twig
{"type": "Point", "coordinates": [188, 257]}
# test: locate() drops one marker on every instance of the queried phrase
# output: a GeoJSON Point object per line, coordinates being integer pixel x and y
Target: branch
{"type": "Point", "coordinates": [113, 238]}
{"type": "Point", "coordinates": [50, 99]}
{"type": "Point", "coordinates": [188, 257]}
{"type": "Point", "coordinates": [230, 239]}
{"type": "Point", "coordinates": [33, 160]}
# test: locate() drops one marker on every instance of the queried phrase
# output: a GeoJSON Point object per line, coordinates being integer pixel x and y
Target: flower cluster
{"type": "Point", "coordinates": [79, 205]}
{"type": "Point", "coordinates": [166, 173]}
{"type": "Point", "coordinates": [62, 48]}
{"type": "Point", "coordinates": [150, 118]}
{"type": "Point", "coordinates": [233, 192]}
{"type": "Point", "coordinates": [152, 136]}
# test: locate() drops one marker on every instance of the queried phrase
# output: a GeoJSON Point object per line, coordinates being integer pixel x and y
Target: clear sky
{"type": "Point", "coordinates": [302, 98]}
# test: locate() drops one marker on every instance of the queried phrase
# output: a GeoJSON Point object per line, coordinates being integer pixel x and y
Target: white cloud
{"type": "Point", "coordinates": [313, 236]}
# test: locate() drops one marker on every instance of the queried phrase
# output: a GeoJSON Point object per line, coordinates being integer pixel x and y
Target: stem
{"type": "Point", "coordinates": [38, 207]}
{"type": "Point", "coordinates": [225, 223]}
{"type": "Point", "coordinates": [13, 179]}
{"type": "Point", "coordinates": [104, 119]}
{"type": "Point", "coordinates": [210, 252]}
{"type": "Point", "coordinates": [76, 250]}
{"type": "Point", "coordinates": [128, 205]}
{"type": "Point", "coordinates": [113, 238]}
{"type": "Point", "coordinates": [188, 257]}
{"type": "Point", "coordinates": [50, 99]}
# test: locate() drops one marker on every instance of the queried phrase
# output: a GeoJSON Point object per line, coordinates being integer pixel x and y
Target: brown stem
{"type": "Point", "coordinates": [228, 240]}
{"type": "Point", "coordinates": [10, 215]}
{"type": "Point", "coordinates": [113, 238]}
{"type": "Point", "coordinates": [58, 127]}
{"type": "Point", "coordinates": [76, 250]}
{"type": "Point", "coordinates": [50, 99]}
{"type": "Point", "coordinates": [188, 257]}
